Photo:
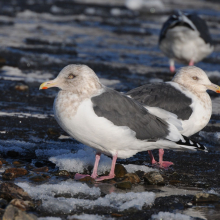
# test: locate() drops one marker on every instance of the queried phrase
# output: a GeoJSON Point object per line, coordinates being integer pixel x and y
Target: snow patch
{"type": "Point", "coordinates": [140, 4]}
{"type": "Point", "coordinates": [170, 216]}
{"type": "Point", "coordinates": [90, 217]}
{"type": "Point", "coordinates": [132, 168]}
{"type": "Point", "coordinates": [49, 218]}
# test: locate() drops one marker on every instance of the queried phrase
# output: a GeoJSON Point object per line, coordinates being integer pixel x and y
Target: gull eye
{"type": "Point", "coordinates": [195, 78]}
{"type": "Point", "coordinates": [71, 76]}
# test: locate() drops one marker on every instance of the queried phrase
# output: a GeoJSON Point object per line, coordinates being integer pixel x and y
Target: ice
{"type": "Point", "coordinates": [131, 168]}
{"type": "Point", "coordinates": [76, 162]}
{"type": "Point", "coordinates": [213, 137]}
{"type": "Point", "coordinates": [49, 218]}
{"type": "Point", "coordinates": [170, 216]}
{"type": "Point", "coordinates": [140, 4]}
{"type": "Point", "coordinates": [90, 217]}
{"type": "Point", "coordinates": [119, 201]}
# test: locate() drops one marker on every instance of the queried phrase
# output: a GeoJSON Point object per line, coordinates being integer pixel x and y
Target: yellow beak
{"type": "Point", "coordinates": [48, 84]}
{"type": "Point", "coordinates": [213, 87]}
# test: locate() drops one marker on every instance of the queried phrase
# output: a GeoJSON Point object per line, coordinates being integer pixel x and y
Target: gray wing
{"type": "Point", "coordinates": [124, 111]}
{"type": "Point", "coordinates": [165, 96]}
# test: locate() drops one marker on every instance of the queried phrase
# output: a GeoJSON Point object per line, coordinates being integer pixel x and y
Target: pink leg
{"type": "Point", "coordinates": [163, 164]}
{"type": "Point", "coordinates": [172, 67]}
{"type": "Point", "coordinates": [191, 63]}
{"type": "Point", "coordinates": [79, 176]}
{"type": "Point", "coordinates": [112, 172]}
{"type": "Point", "coordinates": [153, 161]}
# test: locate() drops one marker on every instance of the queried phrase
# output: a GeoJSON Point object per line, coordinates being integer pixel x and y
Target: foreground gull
{"type": "Point", "coordinates": [107, 120]}
{"type": "Point", "coordinates": [185, 38]}
{"type": "Point", "coordinates": [185, 96]}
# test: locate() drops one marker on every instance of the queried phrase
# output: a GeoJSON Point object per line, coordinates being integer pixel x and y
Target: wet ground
{"type": "Point", "coordinates": [38, 38]}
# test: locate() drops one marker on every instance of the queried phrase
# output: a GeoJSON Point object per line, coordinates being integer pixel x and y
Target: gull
{"type": "Point", "coordinates": [184, 97]}
{"type": "Point", "coordinates": [108, 121]}
{"type": "Point", "coordinates": [185, 38]}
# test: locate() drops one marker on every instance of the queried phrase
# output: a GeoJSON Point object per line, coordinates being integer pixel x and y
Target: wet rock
{"type": "Point", "coordinates": [206, 197]}
{"type": "Point", "coordinates": [7, 196]}
{"type": "Point", "coordinates": [3, 161]}
{"type": "Point", "coordinates": [153, 178]}
{"type": "Point", "coordinates": [3, 203]}
{"type": "Point", "coordinates": [21, 87]}
{"type": "Point", "coordinates": [62, 173]}
{"type": "Point", "coordinates": [174, 182]}
{"type": "Point", "coordinates": [18, 163]}
{"type": "Point", "coordinates": [29, 167]}
{"type": "Point", "coordinates": [41, 169]}
{"type": "Point", "coordinates": [120, 171]}
{"type": "Point", "coordinates": [87, 179]}
{"type": "Point", "coordinates": [22, 205]}
{"type": "Point", "coordinates": [37, 178]}
{"type": "Point", "coordinates": [116, 215]}
{"type": "Point", "coordinates": [52, 131]}
{"type": "Point", "coordinates": [123, 185]}
{"type": "Point", "coordinates": [13, 191]}
{"type": "Point", "coordinates": [0, 164]}
{"type": "Point", "coordinates": [132, 177]}
{"type": "Point", "coordinates": [12, 173]}
{"type": "Point", "coordinates": [12, 212]}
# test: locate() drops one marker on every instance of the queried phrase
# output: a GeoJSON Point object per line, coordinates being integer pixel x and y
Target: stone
{"type": "Point", "coordinates": [41, 169]}
{"type": "Point", "coordinates": [120, 171]}
{"type": "Point", "coordinates": [206, 197]}
{"type": "Point", "coordinates": [12, 191]}
{"type": "Point", "coordinates": [11, 173]}
{"type": "Point", "coordinates": [18, 163]}
{"type": "Point", "coordinates": [87, 179]}
{"type": "Point", "coordinates": [0, 164]}
{"type": "Point", "coordinates": [22, 205]}
{"type": "Point", "coordinates": [52, 131]}
{"type": "Point", "coordinates": [132, 177]}
{"type": "Point", "coordinates": [3, 161]}
{"type": "Point", "coordinates": [37, 178]}
{"type": "Point", "coordinates": [62, 173]}
{"type": "Point", "coordinates": [13, 213]}
{"type": "Point", "coordinates": [153, 178]}
{"type": "Point", "coordinates": [21, 87]}
{"type": "Point", "coordinates": [123, 185]}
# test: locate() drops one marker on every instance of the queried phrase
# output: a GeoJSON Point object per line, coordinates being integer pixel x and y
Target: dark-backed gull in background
{"type": "Point", "coordinates": [185, 96]}
{"type": "Point", "coordinates": [107, 120]}
{"type": "Point", "coordinates": [185, 38]}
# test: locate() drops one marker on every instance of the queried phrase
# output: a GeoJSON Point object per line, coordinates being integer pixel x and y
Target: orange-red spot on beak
{"type": "Point", "coordinates": [45, 88]}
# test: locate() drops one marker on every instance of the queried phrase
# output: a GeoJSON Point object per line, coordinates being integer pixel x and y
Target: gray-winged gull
{"type": "Point", "coordinates": [185, 96]}
{"type": "Point", "coordinates": [185, 38]}
{"type": "Point", "coordinates": [107, 120]}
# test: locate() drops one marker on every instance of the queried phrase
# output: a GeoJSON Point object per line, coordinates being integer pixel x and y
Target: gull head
{"type": "Point", "coordinates": [194, 79]}
{"type": "Point", "coordinates": [75, 78]}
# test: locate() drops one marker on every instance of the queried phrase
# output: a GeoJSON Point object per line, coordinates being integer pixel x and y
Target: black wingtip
{"type": "Point", "coordinates": [192, 144]}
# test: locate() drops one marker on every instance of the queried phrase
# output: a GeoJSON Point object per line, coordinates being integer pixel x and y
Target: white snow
{"type": "Point", "coordinates": [49, 218]}
{"type": "Point", "coordinates": [119, 201]}
{"type": "Point", "coordinates": [170, 216]}
{"type": "Point", "coordinates": [131, 168]}
{"type": "Point", "coordinates": [213, 74]}
{"type": "Point", "coordinates": [140, 4]}
{"type": "Point", "coordinates": [76, 162]}
{"type": "Point", "coordinates": [89, 217]}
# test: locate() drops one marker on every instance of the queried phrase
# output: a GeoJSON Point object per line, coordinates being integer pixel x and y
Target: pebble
{"type": "Point", "coordinates": [12, 173]}
{"type": "Point", "coordinates": [18, 163]}
{"type": "Point", "coordinates": [123, 185]}
{"type": "Point", "coordinates": [153, 178]}
{"type": "Point", "coordinates": [22, 87]}
{"type": "Point", "coordinates": [12, 212]}
{"type": "Point", "coordinates": [22, 205]}
{"type": "Point", "coordinates": [37, 178]}
{"type": "Point", "coordinates": [62, 173]}
{"type": "Point", "coordinates": [132, 177]}
{"type": "Point", "coordinates": [205, 197]}
{"type": "Point", "coordinates": [87, 179]}
{"type": "Point", "coordinates": [120, 171]}
{"type": "Point", "coordinates": [52, 131]}
{"type": "Point", "coordinates": [0, 164]}
{"type": "Point", "coordinates": [41, 169]}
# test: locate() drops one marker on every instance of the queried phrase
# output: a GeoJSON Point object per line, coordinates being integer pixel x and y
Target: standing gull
{"type": "Point", "coordinates": [107, 120]}
{"type": "Point", "coordinates": [185, 38]}
{"type": "Point", "coordinates": [185, 96]}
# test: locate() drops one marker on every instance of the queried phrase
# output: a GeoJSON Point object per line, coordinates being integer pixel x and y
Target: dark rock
{"type": "Point", "coordinates": [18, 163]}
{"type": "Point", "coordinates": [41, 169]}
{"type": "Point", "coordinates": [120, 171]}
{"type": "Point", "coordinates": [7, 196]}
{"type": "Point", "coordinates": [12, 213]}
{"type": "Point", "coordinates": [13, 191]}
{"type": "Point", "coordinates": [132, 177]}
{"type": "Point", "coordinates": [37, 178]}
{"type": "Point", "coordinates": [205, 197]}
{"type": "Point", "coordinates": [3, 203]}
{"type": "Point", "coordinates": [13, 154]}
{"type": "Point", "coordinates": [123, 185]}
{"type": "Point", "coordinates": [153, 178]}
{"type": "Point", "coordinates": [11, 173]}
